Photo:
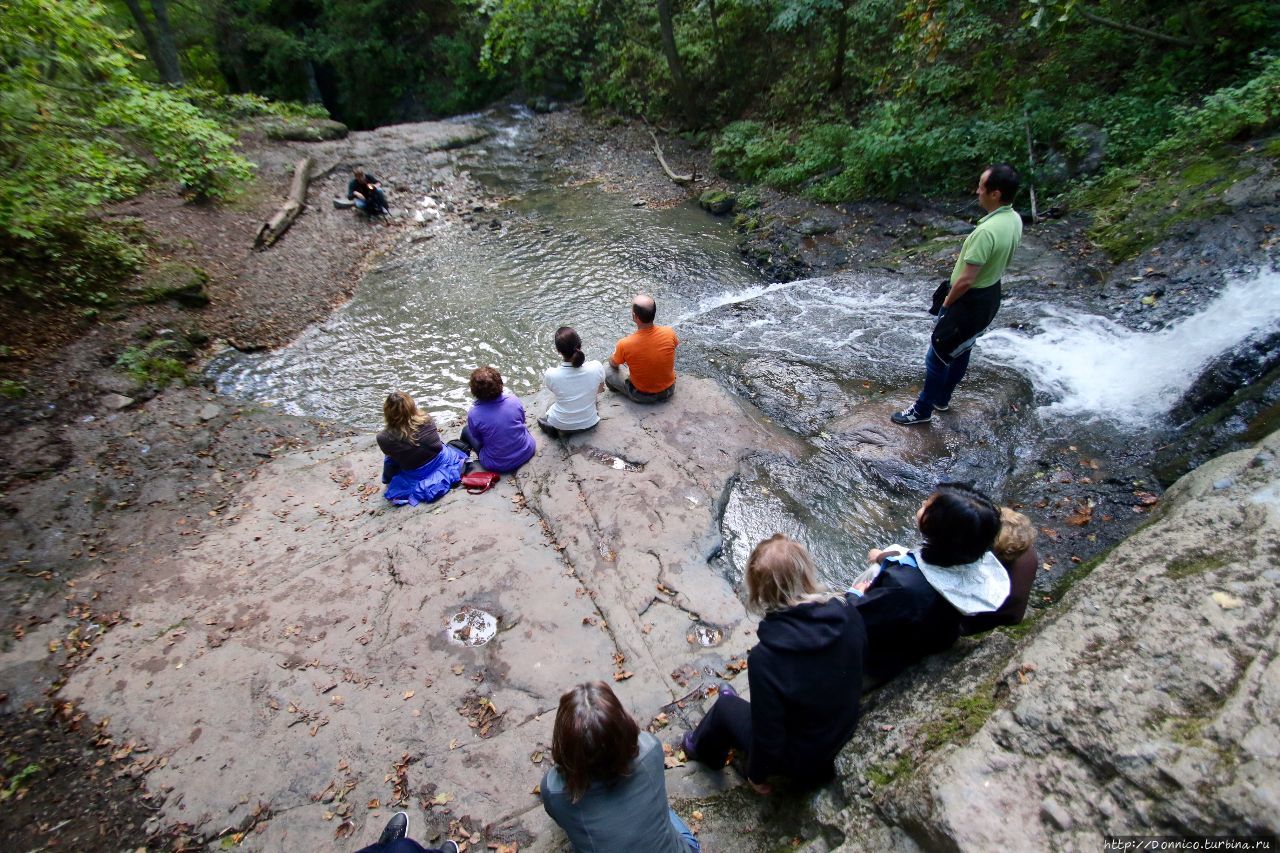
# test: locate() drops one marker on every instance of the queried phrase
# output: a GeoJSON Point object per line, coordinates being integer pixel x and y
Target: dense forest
{"type": "Point", "coordinates": [839, 99]}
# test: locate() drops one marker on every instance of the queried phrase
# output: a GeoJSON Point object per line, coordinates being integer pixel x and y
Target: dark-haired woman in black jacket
{"type": "Point", "coordinates": [914, 607]}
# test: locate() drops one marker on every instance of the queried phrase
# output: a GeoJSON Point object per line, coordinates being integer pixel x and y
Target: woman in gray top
{"type": "Point", "coordinates": [606, 790]}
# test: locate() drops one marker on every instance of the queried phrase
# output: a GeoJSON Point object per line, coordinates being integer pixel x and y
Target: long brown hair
{"type": "Point", "coordinates": [595, 739]}
{"type": "Point", "coordinates": [403, 416]}
{"type": "Point", "coordinates": [780, 574]}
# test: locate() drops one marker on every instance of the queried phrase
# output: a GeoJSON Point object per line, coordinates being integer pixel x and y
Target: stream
{"type": "Point", "coordinates": [827, 359]}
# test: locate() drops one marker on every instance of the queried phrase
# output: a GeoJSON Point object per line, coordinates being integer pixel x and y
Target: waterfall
{"type": "Point", "coordinates": [1094, 368]}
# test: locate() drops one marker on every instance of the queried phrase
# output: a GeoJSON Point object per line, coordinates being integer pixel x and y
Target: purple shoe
{"type": "Point", "coordinates": [686, 743]}
{"type": "Point", "coordinates": [727, 690]}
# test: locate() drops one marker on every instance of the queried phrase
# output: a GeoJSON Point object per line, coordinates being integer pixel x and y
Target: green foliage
{"type": "Point", "coordinates": [12, 389]}
{"type": "Point", "coordinates": [547, 42]}
{"type": "Point", "coordinates": [894, 149]}
{"type": "Point", "coordinates": [1181, 178]}
{"type": "Point", "coordinates": [21, 779]}
{"type": "Point", "coordinates": [79, 129]}
{"type": "Point", "coordinates": [228, 109]}
{"type": "Point", "coordinates": [148, 365]}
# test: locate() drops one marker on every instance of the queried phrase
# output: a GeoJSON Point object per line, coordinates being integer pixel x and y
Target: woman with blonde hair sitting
{"type": "Point", "coordinates": [417, 467]}
{"type": "Point", "coordinates": [805, 676]}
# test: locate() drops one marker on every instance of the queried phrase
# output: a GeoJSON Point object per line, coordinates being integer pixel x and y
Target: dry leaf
{"type": "Point", "coordinates": [1227, 601]}
{"type": "Point", "coordinates": [622, 676]}
{"type": "Point", "coordinates": [1082, 516]}
{"type": "Point", "coordinates": [408, 694]}
{"type": "Point", "coordinates": [375, 804]}
{"type": "Point", "coordinates": [345, 829]}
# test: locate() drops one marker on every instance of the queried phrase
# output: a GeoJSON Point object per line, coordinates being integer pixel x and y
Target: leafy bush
{"type": "Point", "coordinates": [898, 147]}
{"type": "Point", "coordinates": [78, 129]}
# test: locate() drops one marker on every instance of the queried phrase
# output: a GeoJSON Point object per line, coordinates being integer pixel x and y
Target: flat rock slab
{"type": "Point", "coordinates": [298, 667]}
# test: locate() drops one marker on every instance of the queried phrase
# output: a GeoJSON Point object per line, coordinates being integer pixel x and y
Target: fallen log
{"type": "Point", "coordinates": [662, 161]}
{"type": "Point", "coordinates": [274, 228]}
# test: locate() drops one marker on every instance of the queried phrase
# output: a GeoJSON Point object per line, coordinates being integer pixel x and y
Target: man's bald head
{"type": "Point", "coordinates": [644, 308]}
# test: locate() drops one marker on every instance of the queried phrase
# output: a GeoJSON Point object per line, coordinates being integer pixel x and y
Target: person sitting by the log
{"type": "Point", "coordinates": [805, 676]}
{"type": "Point", "coordinates": [649, 354]}
{"type": "Point", "coordinates": [365, 189]}
{"type": "Point", "coordinates": [607, 789]}
{"type": "Point", "coordinates": [393, 839]}
{"type": "Point", "coordinates": [915, 601]}
{"type": "Point", "coordinates": [1015, 548]}
{"type": "Point", "coordinates": [575, 383]}
{"type": "Point", "coordinates": [496, 427]}
{"type": "Point", "coordinates": [417, 467]}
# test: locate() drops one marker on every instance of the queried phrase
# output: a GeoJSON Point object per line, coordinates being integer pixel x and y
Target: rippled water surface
{"type": "Point", "coordinates": [427, 317]}
{"type": "Point", "coordinates": [827, 359]}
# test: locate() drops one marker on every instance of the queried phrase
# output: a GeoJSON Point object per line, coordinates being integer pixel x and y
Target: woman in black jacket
{"type": "Point", "coordinates": [805, 676]}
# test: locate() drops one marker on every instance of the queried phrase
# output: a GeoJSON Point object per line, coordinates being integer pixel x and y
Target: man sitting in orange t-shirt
{"type": "Point", "coordinates": [649, 354]}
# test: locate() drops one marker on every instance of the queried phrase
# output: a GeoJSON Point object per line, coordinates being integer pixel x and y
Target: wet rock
{"type": "Point", "coordinates": [1148, 700]}
{"type": "Point", "coordinates": [798, 396]}
{"type": "Point", "coordinates": [718, 202]}
{"type": "Point", "coordinates": [814, 226]}
{"type": "Point", "coordinates": [115, 402]}
{"type": "Point", "coordinates": [1091, 141]}
{"type": "Point", "coordinates": [1227, 374]}
{"type": "Point", "coordinates": [307, 130]}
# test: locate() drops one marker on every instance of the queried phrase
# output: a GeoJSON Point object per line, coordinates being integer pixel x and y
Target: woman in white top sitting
{"type": "Point", "coordinates": [575, 384]}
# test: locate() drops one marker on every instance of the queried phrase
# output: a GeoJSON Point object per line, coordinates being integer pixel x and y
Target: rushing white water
{"type": "Point", "coordinates": [1094, 368]}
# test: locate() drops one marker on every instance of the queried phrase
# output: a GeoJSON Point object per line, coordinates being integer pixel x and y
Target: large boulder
{"type": "Point", "coordinates": [1148, 703]}
{"type": "Point", "coordinates": [313, 663]}
{"type": "Point", "coordinates": [307, 130]}
{"type": "Point", "coordinates": [717, 202]}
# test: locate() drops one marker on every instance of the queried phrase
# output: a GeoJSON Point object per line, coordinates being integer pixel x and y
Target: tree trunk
{"type": "Point", "coordinates": [667, 26]}
{"type": "Point", "coordinates": [172, 71]}
{"type": "Point", "coordinates": [1136, 30]}
{"type": "Point", "coordinates": [230, 48]}
{"type": "Point", "coordinates": [149, 36]}
{"type": "Point", "coordinates": [842, 46]}
{"type": "Point", "coordinates": [719, 40]}
{"type": "Point", "coordinates": [273, 228]}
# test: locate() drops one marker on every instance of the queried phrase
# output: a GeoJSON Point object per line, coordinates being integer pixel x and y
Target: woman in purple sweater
{"type": "Point", "coordinates": [495, 425]}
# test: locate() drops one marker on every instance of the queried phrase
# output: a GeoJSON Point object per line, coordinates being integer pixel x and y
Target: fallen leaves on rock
{"type": "Point", "coordinates": [482, 715]}
{"type": "Point", "coordinates": [1082, 515]}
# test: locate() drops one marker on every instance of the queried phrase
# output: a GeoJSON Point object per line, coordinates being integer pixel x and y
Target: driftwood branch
{"type": "Point", "coordinates": [274, 228]}
{"type": "Point", "coordinates": [1135, 30]}
{"type": "Point", "coordinates": [662, 161]}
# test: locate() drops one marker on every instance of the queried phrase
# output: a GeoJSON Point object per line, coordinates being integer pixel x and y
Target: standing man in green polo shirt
{"type": "Point", "coordinates": [974, 298]}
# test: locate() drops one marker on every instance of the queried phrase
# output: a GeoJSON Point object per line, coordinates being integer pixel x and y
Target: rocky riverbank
{"type": "Point", "coordinates": [216, 629]}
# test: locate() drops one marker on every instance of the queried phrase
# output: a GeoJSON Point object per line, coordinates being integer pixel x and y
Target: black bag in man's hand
{"type": "Point", "coordinates": [939, 295]}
